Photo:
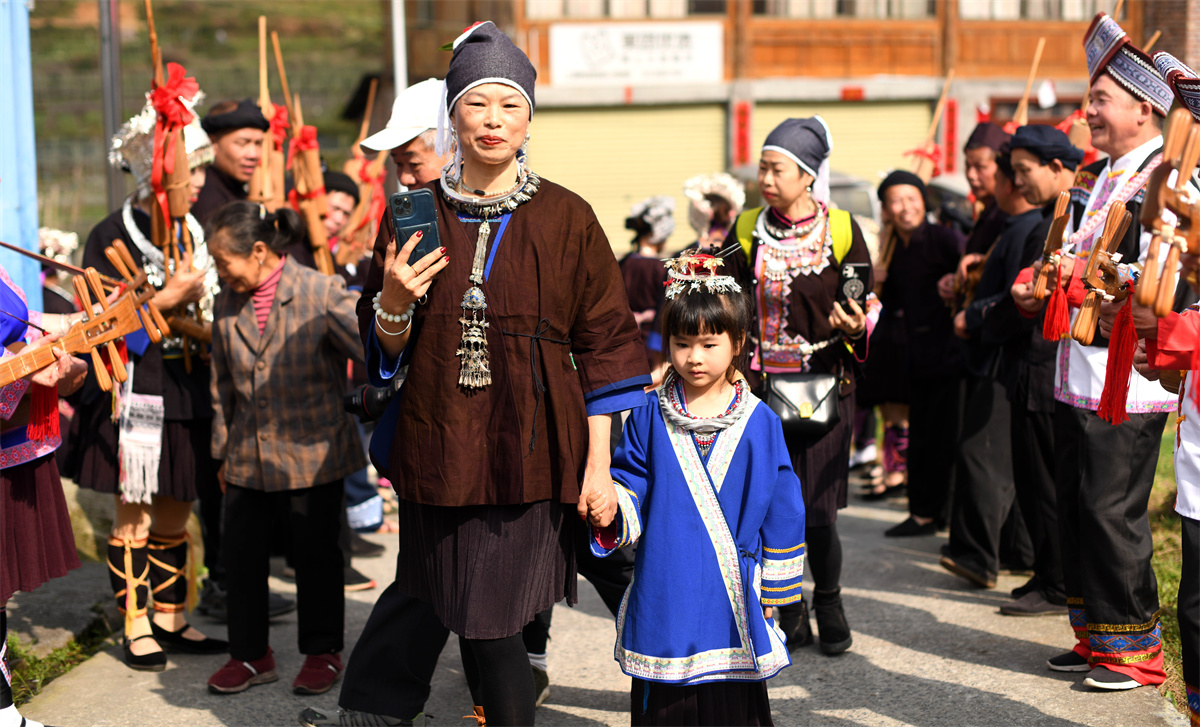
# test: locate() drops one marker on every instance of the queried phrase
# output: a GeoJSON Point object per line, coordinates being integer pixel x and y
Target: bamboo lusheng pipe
{"type": "Point", "coordinates": [922, 166]}
{"type": "Point", "coordinates": [358, 157]}
{"type": "Point", "coordinates": [283, 82]}
{"type": "Point", "coordinates": [261, 187]}
{"type": "Point", "coordinates": [310, 191]}
{"type": "Point", "coordinates": [1054, 240]}
{"type": "Point", "coordinates": [1150, 43]}
{"type": "Point", "coordinates": [1022, 114]}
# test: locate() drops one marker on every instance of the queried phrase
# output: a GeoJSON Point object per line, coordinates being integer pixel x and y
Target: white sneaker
{"type": "Point", "coordinates": [863, 456]}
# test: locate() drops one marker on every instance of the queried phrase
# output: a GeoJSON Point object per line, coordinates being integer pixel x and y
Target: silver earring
{"type": "Point", "coordinates": [260, 262]}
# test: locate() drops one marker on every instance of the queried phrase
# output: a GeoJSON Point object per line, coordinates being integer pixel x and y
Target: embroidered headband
{"type": "Point", "coordinates": [1182, 79]}
{"type": "Point", "coordinates": [1108, 49]}
{"type": "Point", "coordinates": [693, 273]}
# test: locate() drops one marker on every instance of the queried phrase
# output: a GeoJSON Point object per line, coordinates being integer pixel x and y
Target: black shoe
{"type": "Point", "coordinates": [793, 622]}
{"type": "Point", "coordinates": [1033, 604]}
{"type": "Point", "coordinates": [886, 493]}
{"type": "Point", "coordinates": [360, 547]}
{"type": "Point", "coordinates": [1104, 678]}
{"type": "Point", "coordinates": [834, 632]}
{"type": "Point", "coordinates": [349, 718]}
{"type": "Point", "coordinates": [177, 641]}
{"type": "Point", "coordinates": [278, 604]}
{"type": "Point", "coordinates": [982, 580]}
{"type": "Point", "coordinates": [1068, 662]}
{"type": "Point", "coordinates": [909, 528]}
{"type": "Point", "coordinates": [212, 603]}
{"type": "Point", "coordinates": [156, 661]}
{"type": "Point", "coordinates": [1030, 586]}
{"type": "Point", "coordinates": [355, 581]}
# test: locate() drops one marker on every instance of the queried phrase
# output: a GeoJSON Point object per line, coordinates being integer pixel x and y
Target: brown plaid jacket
{"type": "Point", "coordinates": [279, 423]}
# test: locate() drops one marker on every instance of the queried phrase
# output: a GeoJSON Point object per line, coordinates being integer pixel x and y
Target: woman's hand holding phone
{"type": "Point", "coordinates": [404, 284]}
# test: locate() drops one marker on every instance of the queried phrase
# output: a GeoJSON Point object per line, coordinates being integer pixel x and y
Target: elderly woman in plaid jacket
{"type": "Point", "coordinates": [281, 337]}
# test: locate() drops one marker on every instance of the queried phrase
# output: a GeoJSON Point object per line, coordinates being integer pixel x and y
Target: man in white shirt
{"type": "Point", "coordinates": [1104, 473]}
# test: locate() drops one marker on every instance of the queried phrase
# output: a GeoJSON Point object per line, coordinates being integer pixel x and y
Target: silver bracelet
{"type": "Point", "coordinates": [386, 332]}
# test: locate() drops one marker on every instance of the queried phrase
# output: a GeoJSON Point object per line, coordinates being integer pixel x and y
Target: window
{"type": "Point", "coordinates": [898, 9]}
{"type": "Point", "coordinates": [1033, 9]}
{"type": "Point", "coordinates": [621, 9]}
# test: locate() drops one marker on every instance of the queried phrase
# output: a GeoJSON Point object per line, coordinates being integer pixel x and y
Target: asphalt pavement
{"type": "Point", "coordinates": [928, 650]}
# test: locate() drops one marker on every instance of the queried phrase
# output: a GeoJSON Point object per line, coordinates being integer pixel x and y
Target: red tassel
{"type": "Point", "coordinates": [1057, 322]}
{"type": "Point", "coordinates": [1121, 347]}
{"type": "Point", "coordinates": [43, 413]}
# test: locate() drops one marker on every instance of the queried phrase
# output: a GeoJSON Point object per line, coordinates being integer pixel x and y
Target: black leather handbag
{"type": "Point", "coordinates": [807, 404]}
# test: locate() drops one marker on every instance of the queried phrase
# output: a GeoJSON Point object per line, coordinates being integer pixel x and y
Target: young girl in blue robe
{"type": "Point", "coordinates": [703, 481]}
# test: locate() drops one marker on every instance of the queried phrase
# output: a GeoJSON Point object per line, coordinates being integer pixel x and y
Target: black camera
{"type": "Point", "coordinates": [368, 403]}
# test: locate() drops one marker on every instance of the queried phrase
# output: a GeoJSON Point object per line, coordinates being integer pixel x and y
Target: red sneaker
{"type": "Point", "coordinates": [238, 676]}
{"type": "Point", "coordinates": [319, 673]}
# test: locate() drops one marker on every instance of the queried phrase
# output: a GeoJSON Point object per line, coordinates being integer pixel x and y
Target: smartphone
{"type": "Point", "coordinates": [852, 284]}
{"type": "Point", "coordinates": [412, 212]}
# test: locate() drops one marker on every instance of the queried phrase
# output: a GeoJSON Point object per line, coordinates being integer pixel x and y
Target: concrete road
{"type": "Point", "coordinates": [928, 650]}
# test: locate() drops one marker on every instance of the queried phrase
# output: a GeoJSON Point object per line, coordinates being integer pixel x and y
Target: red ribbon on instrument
{"type": "Point", "coordinates": [304, 139]}
{"type": "Point", "coordinates": [279, 126]}
{"type": "Point", "coordinates": [1121, 347]}
{"type": "Point", "coordinates": [933, 154]}
{"type": "Point", "coordinates": [294, 197]}
{"type": "Point", "coordinates": [173, 114]}
{"type": "Point", "coordinates": [378, 199]}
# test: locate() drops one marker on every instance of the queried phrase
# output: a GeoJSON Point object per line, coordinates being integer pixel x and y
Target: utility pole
{"type": "Point", "coordinates": [110, 74]}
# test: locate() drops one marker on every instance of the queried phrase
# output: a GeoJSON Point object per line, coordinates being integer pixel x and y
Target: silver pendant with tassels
{"type": "Point", "coordinates": [474, 371]}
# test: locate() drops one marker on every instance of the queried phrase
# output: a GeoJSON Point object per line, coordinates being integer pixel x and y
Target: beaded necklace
{"type": "Point", "coordinates": [798, 250]}
{"type": "Point", "coordinates": [704, 430]}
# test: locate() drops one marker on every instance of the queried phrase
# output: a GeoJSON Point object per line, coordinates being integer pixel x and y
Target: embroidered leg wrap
{"type": "Point", "coordinates": [129, 573]}
{"type": "Point", "coordinates": [6, 697]}
{"type": "Point", "coordinates": [895, 449]}
{"type": "Point", "coordinates": [172, 572]}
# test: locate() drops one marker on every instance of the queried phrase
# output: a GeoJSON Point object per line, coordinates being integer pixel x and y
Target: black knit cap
{"type": "Point", "coordinates": [901, 177]}
{"type": "Point", "coordinates": [247, 115]}
{"type": "Point", "coordinates": [1047, 143]}
{"type": "Point", "coordinates": [483, 54]}
{"type": "Point", "coordinates": [339, 182]}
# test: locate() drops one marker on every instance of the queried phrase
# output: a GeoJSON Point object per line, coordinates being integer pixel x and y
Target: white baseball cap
{"type": "Point", "coordinates": [414, 111]}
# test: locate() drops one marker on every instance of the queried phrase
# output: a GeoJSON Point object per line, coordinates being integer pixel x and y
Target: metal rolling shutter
{"type": "Point", "coordinates": [614, 157]}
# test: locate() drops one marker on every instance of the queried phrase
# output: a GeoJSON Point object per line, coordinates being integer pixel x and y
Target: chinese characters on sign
{"type": "Point", "coordinates": [622, 54]}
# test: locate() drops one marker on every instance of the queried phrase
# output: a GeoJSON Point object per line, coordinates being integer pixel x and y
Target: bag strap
{"type": "Point", "coordinates": [745, 231]}
{"type": "Point", "coordinates": [843, 233]}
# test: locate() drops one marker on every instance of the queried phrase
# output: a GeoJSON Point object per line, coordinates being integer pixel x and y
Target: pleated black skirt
{"type": "Point", "coordinates": [36, 541]}
{"type": "Point", "coordinates": [823, 466]}
{"type": "Point", "coordinates": [93, 463]}
{"type": "Point", "coordinates": [489, 569]}
{"type": "Point", "coordinates": [711, 704]}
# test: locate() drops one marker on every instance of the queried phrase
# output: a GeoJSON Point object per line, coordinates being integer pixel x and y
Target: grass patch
{"type": "Point", "coordinates": [1168, 554]}
{"type": "Point", "coordinates": [30, 674]}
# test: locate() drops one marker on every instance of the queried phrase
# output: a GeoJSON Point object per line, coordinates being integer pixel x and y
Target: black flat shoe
{"type": "Point", "coordinates": [794, 623]}
{"type": "Point", "coordinates": [156, 661]}
{"type": "Point", "coordinates": [887, 491]}
{"type": "Point", "coordinates": [910, 528]}
{"type": "Point", "coordinates": [177, 641]}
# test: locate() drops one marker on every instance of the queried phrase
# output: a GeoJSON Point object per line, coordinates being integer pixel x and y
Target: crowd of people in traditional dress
{"type": "Point", "coordinates": [541, 409]}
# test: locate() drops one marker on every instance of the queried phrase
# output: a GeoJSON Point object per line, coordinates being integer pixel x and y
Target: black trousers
{"type": "Point", "coordinates": [984, 495]}
{"type": "Point", "coordinates": [1188, 605]}
{"type": "Point", "coordinates": [312, 515]}
{"type": "Point", "coordinates": [212, 502]}
{"type": "Point", "coordinates": [393, 663]}
{"type": "Point", "coordinates": [1104, 474]}
{"type": "Point", "coordinates": [934, 425]}
{"type": "Point", "coordinates": [1033, 477]}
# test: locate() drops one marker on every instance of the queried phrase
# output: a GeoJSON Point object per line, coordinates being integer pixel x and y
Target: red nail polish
{"type": "Point", "coordinates": [447, 258]}
{"type": "Point", "coordinates": [420, 234]}
{"type": "Point", "coordinates": [443, 251]}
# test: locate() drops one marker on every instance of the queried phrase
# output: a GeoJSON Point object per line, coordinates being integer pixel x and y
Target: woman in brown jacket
{"type": "Point", "coordinates": [281, 337]}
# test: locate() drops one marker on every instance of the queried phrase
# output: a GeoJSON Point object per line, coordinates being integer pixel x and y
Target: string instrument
{"type": "Point", "coordinates": [97, 329]}
{"type": "Point", "coordinates": [1054, 242]}
{"type": "Point", "coordinates": [1106, 286]}
{"type": "Point", "coordinates": [1181, 152]}
{"type": "Point", "coordinates": [135, 280]}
